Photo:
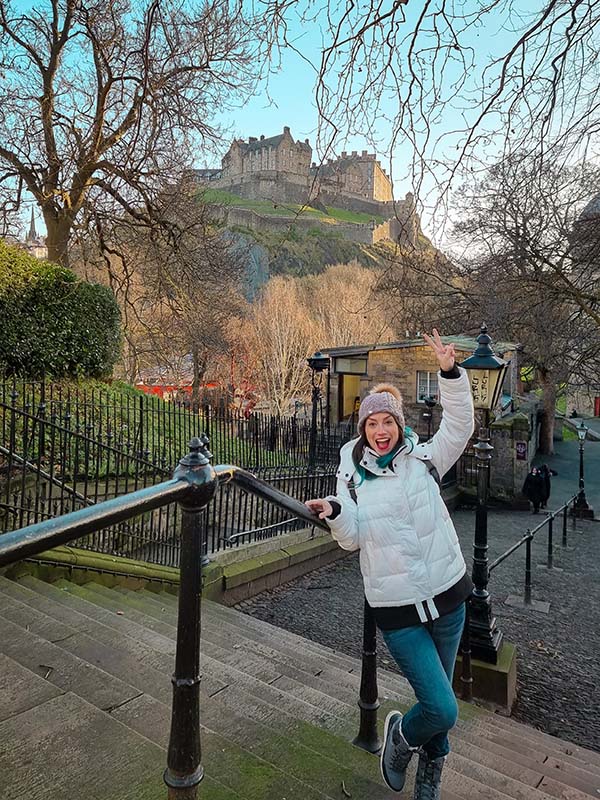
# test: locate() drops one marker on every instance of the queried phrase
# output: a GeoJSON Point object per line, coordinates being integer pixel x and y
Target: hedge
{"type": "Point", "coordinates": [51, 322]}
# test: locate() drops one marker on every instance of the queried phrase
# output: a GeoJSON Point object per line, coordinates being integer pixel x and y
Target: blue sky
{"type": "Point", "coordinates": [288, 98]}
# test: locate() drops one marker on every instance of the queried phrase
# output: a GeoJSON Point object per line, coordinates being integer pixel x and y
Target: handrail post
{"type": "Point", "coordinates": [466, 678]}
{"type": "Point", "coordinates": [527, 598]}
{"type": "Point", "coordinates": [550, 562]}
{"type": "Point", "coordinates": [564, 525]}
{"type": "Point", "coordinates": [368, 702]}
{"type": "Point", "coordinates": [184, 769]}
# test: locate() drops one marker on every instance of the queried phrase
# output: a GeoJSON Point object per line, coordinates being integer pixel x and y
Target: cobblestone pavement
{"type": "Point", "coordinates": [558, 653]}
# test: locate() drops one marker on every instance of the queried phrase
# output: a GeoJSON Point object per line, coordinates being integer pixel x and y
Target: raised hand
{"type": "Point", "coordinates": [443, 352]}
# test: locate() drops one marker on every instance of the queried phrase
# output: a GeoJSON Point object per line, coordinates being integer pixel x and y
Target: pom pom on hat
{"type": "Point", "coordinates": [382, 397]}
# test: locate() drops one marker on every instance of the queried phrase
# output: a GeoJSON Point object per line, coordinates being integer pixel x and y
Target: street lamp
{"type": "Point", "coordinates": [582, 508]}
{"type": "Point", "coordinates": [317, 363]}
{"type": "Point", "coordinates": [486, 373]}
{"type": "Point", "coordinates": [431, 403]}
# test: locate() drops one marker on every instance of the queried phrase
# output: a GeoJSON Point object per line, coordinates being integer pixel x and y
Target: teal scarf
{"type": "Point", "coordinates": [382, 461]}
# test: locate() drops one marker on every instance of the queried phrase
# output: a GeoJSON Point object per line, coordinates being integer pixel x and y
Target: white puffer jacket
{"type": "Point", "coordinates": [409, 551]}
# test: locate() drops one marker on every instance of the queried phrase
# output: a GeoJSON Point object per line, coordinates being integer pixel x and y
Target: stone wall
{"type": "Point", "coordinates": [267, 185]}
{"type": "Point", "coordinates": [400, 367]}
{"type": "Point", "coordinates": [247, 218]}
{"type": "Point", "coordinates": [514, 436]}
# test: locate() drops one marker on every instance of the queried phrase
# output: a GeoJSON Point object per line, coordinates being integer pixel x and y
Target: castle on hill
{"type": "Point", "coordinates": [280, 169]}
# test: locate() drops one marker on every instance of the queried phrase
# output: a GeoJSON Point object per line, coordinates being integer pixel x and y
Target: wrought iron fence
{"type": "Point", "coordinates": [64, 450]}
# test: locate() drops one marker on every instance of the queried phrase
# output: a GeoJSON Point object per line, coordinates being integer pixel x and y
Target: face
{"type": "Point", "coordinates": [382, 432]}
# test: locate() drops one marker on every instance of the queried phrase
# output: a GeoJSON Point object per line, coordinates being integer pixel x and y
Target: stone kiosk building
{"type": "Point", "coordinates": [410, 365]}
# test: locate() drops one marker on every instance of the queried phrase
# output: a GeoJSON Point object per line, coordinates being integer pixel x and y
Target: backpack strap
{"type": "Point", "coordinates": [432, 469]}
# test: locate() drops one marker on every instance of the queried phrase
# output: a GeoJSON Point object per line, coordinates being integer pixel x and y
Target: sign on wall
{"type": "Point", "coordinates": [521, 448]}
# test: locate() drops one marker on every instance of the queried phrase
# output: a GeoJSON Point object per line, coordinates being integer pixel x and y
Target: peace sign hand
{"type": "Point", "coordinates": [443, 352]}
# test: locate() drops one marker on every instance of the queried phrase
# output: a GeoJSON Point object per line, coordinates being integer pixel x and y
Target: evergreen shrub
{"type": "Point", "coordinates": [51, 322]}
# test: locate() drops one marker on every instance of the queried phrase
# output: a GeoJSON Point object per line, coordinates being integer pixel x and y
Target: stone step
{"type": "Point", "coordinates": [260, 676]}
{"type": "Point", "coordinates": [219, 666]}
{"type": "Point", "coordinates": [275, 746]}
{"type": "Point", "coordinates": [394, 686]}
{"type": "Point", "coordinates": [63, 669]}
{"type": "Point", "coordinates": [212, 744]}
{"type": "Point", "coordinates": [47, 750]}
{"type": "Point", "coordinates": [300, 666]}
{"type": "Point", "coordinates": [129, 765]}
{"type": "Point", "coordinates": [538, 762]}
{"type": "Point", "coordinates": [157, 606]}
{"type": "Point", "coordinates": [21, 689]}
{"type": "Point", "coordinates": [65, 607]}
{"type": "Point", "coordinates": [389, 684]}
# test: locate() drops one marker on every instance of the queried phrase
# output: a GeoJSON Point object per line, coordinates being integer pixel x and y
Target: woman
{"type": "Point", "coordinates": [388, 506]}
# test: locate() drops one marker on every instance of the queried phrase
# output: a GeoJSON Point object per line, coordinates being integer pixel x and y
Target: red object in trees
{"type": "Point", "coordinates": [597, 406]}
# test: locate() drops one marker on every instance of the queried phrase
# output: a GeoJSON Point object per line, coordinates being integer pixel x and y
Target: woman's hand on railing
{"type": "Point", "coordinates": [322, 508]}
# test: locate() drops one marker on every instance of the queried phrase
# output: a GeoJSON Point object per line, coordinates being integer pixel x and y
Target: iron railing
{"type": "Point", "coordinates": [145, 432]}
{"type": "Point", "coordinates": [527, 540]}
{"type": "Point", "coordinates": [193, 486]}
{"type": "Point", "coordinates": [65, 450]}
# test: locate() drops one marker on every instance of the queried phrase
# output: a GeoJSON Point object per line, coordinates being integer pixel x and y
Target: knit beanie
{"type": "Point", "coordinates": [383, 397]}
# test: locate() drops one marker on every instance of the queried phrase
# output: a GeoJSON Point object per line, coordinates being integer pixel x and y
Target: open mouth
{"type": "Point", "coordinates": [383, 445]}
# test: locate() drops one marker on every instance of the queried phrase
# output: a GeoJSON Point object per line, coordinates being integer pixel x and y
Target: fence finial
{"type": "Point", "coordinates": [199, 454]}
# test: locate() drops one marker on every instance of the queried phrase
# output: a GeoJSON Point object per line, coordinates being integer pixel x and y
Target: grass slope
{"type": "Point", "coordinates": [333, 216]}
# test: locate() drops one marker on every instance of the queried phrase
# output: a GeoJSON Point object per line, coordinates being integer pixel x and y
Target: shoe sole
{"type": "Point", "coordinates": [386, 727]}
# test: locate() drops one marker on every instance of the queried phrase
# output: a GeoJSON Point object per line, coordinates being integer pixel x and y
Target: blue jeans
{"type": "Point", "coordinates": [426, 654]}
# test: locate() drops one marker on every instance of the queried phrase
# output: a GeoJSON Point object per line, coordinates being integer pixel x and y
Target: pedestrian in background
{"type": "Point", "coordinates": [546, 473]}
{"type": "Point", "coordinates": [534, 488]}
{"type": "Point", "coordinates": [388, 505]}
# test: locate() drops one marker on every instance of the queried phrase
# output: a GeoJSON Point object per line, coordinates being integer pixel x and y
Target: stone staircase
{"type": "Point", "coordinates": [85, 698]}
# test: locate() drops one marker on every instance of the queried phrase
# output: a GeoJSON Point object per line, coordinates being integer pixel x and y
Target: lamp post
{"type": "Point", "coordinates": [317, 363]}
{"type": "Point", "coordinates": [486, 373]}
{"type": "Point", "coordinates": [582, 508]}
{"type": "Point", "coordinates": [431, 403]}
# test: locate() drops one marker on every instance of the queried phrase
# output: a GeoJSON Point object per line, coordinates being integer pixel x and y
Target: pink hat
{"type": "Point", "coordinates": [383, 397]}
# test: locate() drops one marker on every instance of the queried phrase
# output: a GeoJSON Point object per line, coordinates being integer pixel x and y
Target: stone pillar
{"type": "Point", "coordinates": [513, 452]}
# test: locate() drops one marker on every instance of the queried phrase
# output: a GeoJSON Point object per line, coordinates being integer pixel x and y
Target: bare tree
{"type": "Point", "coordinates": [416, 81]}
{"type": "Point", "coordinates": [178, 284]}
{"type": "Point", "coordinates": [348, 305]}
{"type": "Point", "coordinates": [531, 271]}
{"type": "Point", "coordinates": [102, 103]}
{"type": "Point", "coordinates": [282, 335]}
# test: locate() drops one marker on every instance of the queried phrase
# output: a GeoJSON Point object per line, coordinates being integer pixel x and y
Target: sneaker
{"type": "Point", "coordinates": [429, 778]}
{"type": "Point", "coordinates": [395, 753]}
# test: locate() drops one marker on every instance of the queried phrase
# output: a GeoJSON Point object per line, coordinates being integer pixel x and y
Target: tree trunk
{"type": "Point", "coordinates": [57, 237]}
{"type": "Point", "coordinates": [548, 414]}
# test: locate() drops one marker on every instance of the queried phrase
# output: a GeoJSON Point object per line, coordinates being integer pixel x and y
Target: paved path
{"type": "Point", "coordinates": [566, 462]}
{"type": "Point", "coordinates": [558, 661]}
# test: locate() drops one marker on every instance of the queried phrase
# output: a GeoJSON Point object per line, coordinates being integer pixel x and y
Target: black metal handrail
{"type": "Point", "coordinates": [193, 485]}
{"type": "Point", "coordinates": [527, 540]}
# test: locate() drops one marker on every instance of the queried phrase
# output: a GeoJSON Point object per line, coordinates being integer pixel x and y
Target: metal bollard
{"type": "Point", "coordinates": [564, 528]}
{"type": "Point", "coordinates": [466, 677]}
{"type": "Point", "coordinates": [527, 597]}
{"type": "Point", "coordinates": [550, 544]}
{"type": "Point", "coordinates": [368, 702]}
